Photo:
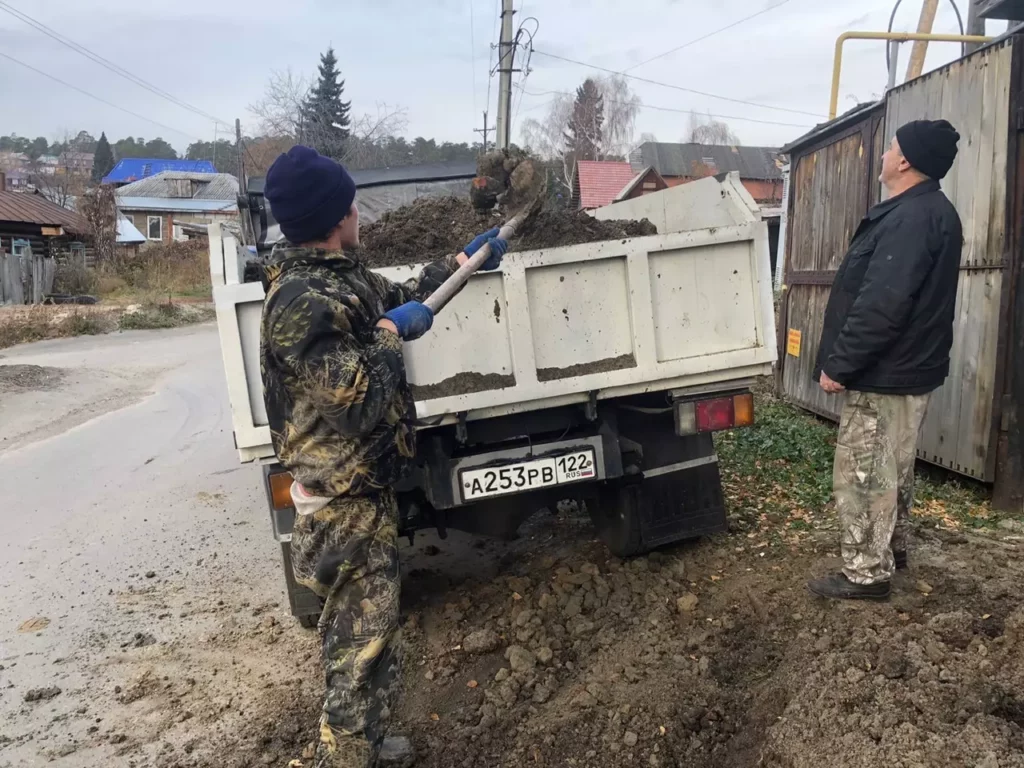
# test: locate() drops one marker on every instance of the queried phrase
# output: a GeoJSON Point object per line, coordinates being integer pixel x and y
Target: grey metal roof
{"type": "Point", "coordinates": [174, 204]}
{"type": "Point", "coordinates": [209, 186]}
{"type": "Point", "coordinates": [755, 163]}
{"type": "Point", "coordinates": [404, 174]}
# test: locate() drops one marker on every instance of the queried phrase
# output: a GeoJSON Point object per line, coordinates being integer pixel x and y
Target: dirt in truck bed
{"type": "Point", "coordinates": [432, 228]}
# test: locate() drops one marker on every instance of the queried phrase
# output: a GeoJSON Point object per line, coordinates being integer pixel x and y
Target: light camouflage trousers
{"type": "Point", "coordinates": [873, 480]}
{"type": "Point", "coordinates": [347, 553]}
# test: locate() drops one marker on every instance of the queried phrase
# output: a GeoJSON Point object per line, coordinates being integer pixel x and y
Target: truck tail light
{"type": "Point", "coordinates": [281, 490]}
{"type": "Point", "coordinates": [715, 414]}
{"type": "Point", "coordinates": [743, 410]}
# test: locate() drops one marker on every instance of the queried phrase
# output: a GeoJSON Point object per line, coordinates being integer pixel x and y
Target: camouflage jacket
{"type": "Point", "coordinates": [338, 403]}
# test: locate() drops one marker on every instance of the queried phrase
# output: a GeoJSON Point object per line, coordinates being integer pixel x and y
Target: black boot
{"type": "Point", "coordinates": [837, 587]}
{"type": "Point", "coordinates": [396, 752]}
{"type": "Point", "coordinates": [900, 558]}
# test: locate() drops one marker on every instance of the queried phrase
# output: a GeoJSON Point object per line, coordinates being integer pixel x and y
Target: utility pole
{"type": "Point", "coordinates": [238, 153]}
{"type": "Point", "coordinates": [920, 49]}
{"type": "Point", "coordinates": [506, 54]}
{"type": "Point", "coordinates": [975, 24]}
{"type": "Point", "coordinates": [485, 130]}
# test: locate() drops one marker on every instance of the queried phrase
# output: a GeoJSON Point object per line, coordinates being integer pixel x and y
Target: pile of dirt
{"type": "Point", "coordinates": [717, 656]}
{"type": "Point", "coordinates": [432, 228]}
{"type": "Point", "coordinates": [18, 377]}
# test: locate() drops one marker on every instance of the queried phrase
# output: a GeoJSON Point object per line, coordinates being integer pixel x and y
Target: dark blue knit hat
{"type": "Point", "coordinates": [308, 194]}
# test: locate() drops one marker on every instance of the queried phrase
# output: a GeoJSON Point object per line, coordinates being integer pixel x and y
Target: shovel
{"type": "Point", "coordinates": [526, 194]}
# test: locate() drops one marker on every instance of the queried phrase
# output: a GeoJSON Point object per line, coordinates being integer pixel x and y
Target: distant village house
{"type": "Point", "coordinates": [163, 206]}
{"type": "Point", "coordinates": [759, 167]}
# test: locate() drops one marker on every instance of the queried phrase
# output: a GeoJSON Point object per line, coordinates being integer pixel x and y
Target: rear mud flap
{"type": "Point", "coordinates": [682, 505]}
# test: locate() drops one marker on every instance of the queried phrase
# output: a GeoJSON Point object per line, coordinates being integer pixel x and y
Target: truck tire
{"type": "Point", "coordinates": [616, 516]}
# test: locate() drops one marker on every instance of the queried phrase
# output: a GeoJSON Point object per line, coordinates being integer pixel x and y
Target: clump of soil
{"type": "Point", "coordinates": [462, 384]}
{"type": "Point", "coordinates": [34, 377]}
{"type": "Point", "coordinates": [584, 369]}
{"type": "Point", "coordinates": [550, 229]}
{"type": "Point", "coordinates": [432, 228]}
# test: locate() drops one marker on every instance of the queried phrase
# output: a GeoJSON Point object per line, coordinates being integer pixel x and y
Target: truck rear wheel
{"type": "Point", "coordinates": [616, 516]}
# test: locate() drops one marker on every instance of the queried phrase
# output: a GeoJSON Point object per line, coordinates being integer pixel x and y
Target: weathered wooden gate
{"type": "Point", "coordinates": [25, 278]}
{"type": "Point", "coordinates": [832, 183]}
{"type": "Point", "coordinates": [970, 426]}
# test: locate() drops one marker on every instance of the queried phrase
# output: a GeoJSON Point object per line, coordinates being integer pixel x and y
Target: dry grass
{"type": "Point", "coordinates": [158, 273]}
{"type": "Point", "coordinates": [21, 325]}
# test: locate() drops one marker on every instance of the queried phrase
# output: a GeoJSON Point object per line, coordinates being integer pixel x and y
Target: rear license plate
{"type": "Point", "coordinates": [527, 475]}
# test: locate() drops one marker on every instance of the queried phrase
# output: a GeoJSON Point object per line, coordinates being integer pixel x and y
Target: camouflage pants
{"type": "Point", "coordinates": [873, 480]}
{"type": "Point", "coordinates": [347, 553]}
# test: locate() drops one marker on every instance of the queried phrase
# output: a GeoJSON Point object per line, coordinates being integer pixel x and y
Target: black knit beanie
{"type": "Point", "coordinates": [929, 146]}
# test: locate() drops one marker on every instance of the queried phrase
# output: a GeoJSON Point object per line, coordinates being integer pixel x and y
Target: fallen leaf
{"type": "Point", "coordinates": [661, 730]}
{"type": "Point", "coordinates": [435, 717]}
{"type": "Point", "coordinates": [472, 684]}
{"type": "Point", "coordinates": [296, 764]}
{"type": "Point", "coordinates": [986, 616]}
{"type": "Point", "coordinates": [924, 587]}
{"type": "Point", "coordinates": [716, 578]}
{"type": "Point", "coordinates": [516, 596]}
{"type": "Point", "coordinates": [34, 625]}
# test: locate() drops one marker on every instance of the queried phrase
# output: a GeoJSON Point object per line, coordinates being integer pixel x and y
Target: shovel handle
{"type": "Point", "coordinates": [439, 298]}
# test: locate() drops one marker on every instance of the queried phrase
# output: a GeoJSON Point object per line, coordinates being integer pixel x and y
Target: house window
{"type": "Point", "coordinates": [78, 252]}
{"type": "Point", "coordinates": [155, 227]}
{"type": "Point", "coordinates": [20, 247]}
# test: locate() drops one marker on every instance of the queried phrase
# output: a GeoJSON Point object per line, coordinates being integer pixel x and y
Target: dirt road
{"type": "Point", "coordinates": [143, 621]}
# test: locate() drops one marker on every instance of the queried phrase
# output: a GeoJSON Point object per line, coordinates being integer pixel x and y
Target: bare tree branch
{"type": "Point", "coordinates": [546, 137]}
{"type": "Point", "coordinates": [704, 129]}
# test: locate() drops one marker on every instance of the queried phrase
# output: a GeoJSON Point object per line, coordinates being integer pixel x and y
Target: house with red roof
{"type": "Point", "coordinates": [597, 183]}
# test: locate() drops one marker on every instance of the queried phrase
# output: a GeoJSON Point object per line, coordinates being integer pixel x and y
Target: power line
{"type": "Point", "coordinates": [472, 51]}
{"type": "Point", "coordinates": [106, 63]}
{"type": "Point", "coordinates": [671, 109]}
{"type": "Point", "coordinates": [709, 34]}
{"type": "Point", "coordinates": [490, 58]}
{"type": "Point", "coordinates": [676, 87]}
{"type": "Point", "coordinates": [97, 98]}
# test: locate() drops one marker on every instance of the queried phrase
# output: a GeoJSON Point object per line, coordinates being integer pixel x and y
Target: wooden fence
{"type": "Point", "coordinates": [25, 278]}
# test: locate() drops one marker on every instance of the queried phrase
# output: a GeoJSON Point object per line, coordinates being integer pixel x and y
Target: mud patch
{"type": "Point", "coordinates": [462, 384]}
{"type": "Point", "coordinates": [592, 661]}
{"type": "Point", "coordinates": [432, 228]}
{"type": "Point", "coordinates": [17, 378]}
{"type": "Point", "coordinates": [583, 369]}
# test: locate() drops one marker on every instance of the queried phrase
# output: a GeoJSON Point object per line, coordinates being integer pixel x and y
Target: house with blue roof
{"type": "Point", "coordinates": [131, 169]}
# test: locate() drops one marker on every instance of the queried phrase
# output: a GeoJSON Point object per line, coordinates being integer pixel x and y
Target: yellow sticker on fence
{"type": "Point", "coordinates": [793, 343]}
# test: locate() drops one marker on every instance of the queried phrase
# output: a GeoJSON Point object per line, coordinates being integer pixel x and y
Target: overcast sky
{"type": "Point", "coordinates": [432, 58]}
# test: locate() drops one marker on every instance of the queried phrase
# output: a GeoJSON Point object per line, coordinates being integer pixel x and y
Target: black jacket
{"type": "Point", "coordinates": [889, 320]}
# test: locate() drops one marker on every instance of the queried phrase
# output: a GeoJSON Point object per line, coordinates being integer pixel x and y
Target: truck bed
{"type": "Point", "coordinates": [557, 326]}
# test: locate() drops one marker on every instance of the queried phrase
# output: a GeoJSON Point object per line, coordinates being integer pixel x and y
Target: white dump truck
{"type": "Point", "coordinates": [595, 373]}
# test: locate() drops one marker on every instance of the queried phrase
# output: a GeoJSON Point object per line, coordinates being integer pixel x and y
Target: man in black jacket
{"type": "Point", "coordinates": [885, 341]}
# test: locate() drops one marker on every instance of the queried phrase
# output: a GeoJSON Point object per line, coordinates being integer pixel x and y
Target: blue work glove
{"type": "Point", "coordinates": [479, 240]}
{"type": "Point", "coordinates": [412, 319]}
{"type": "Point", "coordinates": [498, 249]}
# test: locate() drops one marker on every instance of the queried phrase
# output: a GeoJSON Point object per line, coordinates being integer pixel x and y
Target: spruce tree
{"type": "Point", "coordinates": [584, 133]}
{"type": "Point", "coordinates": [325, 117]}
{"type": "Point", "coordinates": [102, 159]}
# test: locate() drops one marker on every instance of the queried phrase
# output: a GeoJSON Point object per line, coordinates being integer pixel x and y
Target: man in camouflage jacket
{"type": "Point", "coordinates": [340, 414]}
